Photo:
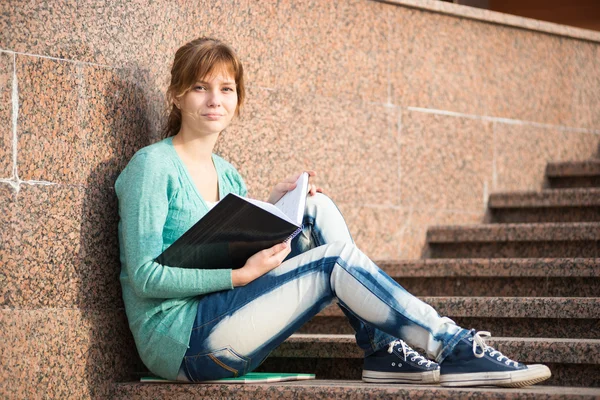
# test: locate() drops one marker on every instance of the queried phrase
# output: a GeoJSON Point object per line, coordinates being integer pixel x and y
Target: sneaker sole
{"type": "Point", "coordinates": [401, 377]}
{"type": "Point", "coordinates": [515, 379]}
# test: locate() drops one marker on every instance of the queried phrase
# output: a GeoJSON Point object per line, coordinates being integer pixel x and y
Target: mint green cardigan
{"type": "Point", "coordinates": [158, 202]}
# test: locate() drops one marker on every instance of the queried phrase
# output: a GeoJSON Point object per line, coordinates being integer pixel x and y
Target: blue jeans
{"type": "Point", "coordinates": [235, 330]}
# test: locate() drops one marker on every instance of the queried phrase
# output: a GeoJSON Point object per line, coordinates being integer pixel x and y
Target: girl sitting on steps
{"type": "Point", "coordinates": [195, 324]}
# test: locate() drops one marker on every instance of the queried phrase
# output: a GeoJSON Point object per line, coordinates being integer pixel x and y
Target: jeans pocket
{"type": "Point", "coordinates": [222, 363]}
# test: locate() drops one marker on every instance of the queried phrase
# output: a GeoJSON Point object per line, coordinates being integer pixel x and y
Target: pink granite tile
{"type": "Point", "coordinates": [256, 38]}
{"type": "Point", "coordinates": [7, 215]}
{"type": "Point", "coordinates": [113, 122]}
{"type": "Point", "coordinates": [353, 389]}
{"type": "Point", "coordinates": [97, 282]}
{"type": "Point", "coordinates": [528, 77]}
{"type": "Point", "coordinates": [6, 133]}
{"type": "Point", "coordinates": [413, 238]}
{"type": "Point", "coordinates": [49, 139]}
{"type": "Point", "coordinates": [54, 353]}
{"type": "Point", "coordinates": [474, 67]}
{"type": "Point", "coordinates": [437, 61]}
{"type": "Point", "coordinates": [523, 151]}
{"type": "Point", "coordinates": [337, 49]}
{"type": "Point", "coordinates": [45, 246]}
{"type": "Point", "coordinates": [122, 32]}
{"type": "Point", "coordinates": [46, 28]}
{"type": "Point", "coordinates": [352, 146]}
{"type": "Point", "coordinates": [340, 54]}
{"type": "Point", "coordinates": [63, 250]}
{"type": "Point", "coordinates": [586, 82]}
{"type": "Point", "coordinates": [375, 230]}
{"type": "Point", "coordinates": [446, 162]}
{"type": "Point", "coordinates": [500, 18]}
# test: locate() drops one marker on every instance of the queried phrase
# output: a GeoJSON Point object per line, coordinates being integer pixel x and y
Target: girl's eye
{"type": "Point", "coordinates": [199, 88]}
{"type": "Point", "coordinates": [228, 89]}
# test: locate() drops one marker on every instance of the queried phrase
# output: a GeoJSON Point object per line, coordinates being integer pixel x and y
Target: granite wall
{"type": "Point", "coordinates": [410, 117]}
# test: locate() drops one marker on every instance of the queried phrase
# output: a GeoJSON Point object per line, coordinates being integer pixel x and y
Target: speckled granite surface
{"type": "Point", "coordinates": [519, 168]}
{"type": "Point", "coordinates": [573, 168]}
{"type": "Point", "coordinates": [490, 267]}
{"type": "Point", "coordinates": [578, 239]}
{"type": "Point", "coordinates": [363, 133]}
{"type": "Point", "coordinates": [537, 215]}
{"type": "Point", "coordinates": [507, 307]}
{"type": "Point", "coordinates": [6, 129]}
{"type": "Point", "coordinates": [64, 353]}
{"type": "Point", "coordinates": [546, 198]}
{"type": "Point", "coordinates": [343, 390]}
{"type": "Point", "coordinates": [480, 14]}
{"type": "Point", "coordinates": [446, 180]}
{"type": "Point", "coordinates": [574, 182]}
{"type": "Point", "coordinates": [50, 139]}
{"type": "Point", "coordinates": [63, 251]}
{"type": "Point", "coordinates": [414, 225]}
{"type": "Point", "coordinates": [578, 328]}
{"type": "Point", "coordinates": [503, 287]}
{"type": "Point", "coordinates": [524, 249]}
{"type": "Point", "coordinates": [515, 232]}
{"type": "Point", "coordinates": [80, 127]}
{"type": "Point", "coordinates": [528, 350]}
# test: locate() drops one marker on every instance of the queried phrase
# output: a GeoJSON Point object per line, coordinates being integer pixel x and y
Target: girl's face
{"type": "Point", "coordinates": [210, 105]}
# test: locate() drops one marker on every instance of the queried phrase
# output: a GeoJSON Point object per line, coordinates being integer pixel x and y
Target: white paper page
{"type": "Point", "coordinates": [268, 207]}
{"type": "Point", "coordinates": [293, 202]}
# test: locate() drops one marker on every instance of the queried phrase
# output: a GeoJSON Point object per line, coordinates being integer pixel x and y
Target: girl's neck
{"type": "Point", "coordinates": [196, 149]}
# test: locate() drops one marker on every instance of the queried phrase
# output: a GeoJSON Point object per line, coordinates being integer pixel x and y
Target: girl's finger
{"type": "Point", "coordinates": [293, 178]}
{"type": "Point", "coordinates": [285, 186]}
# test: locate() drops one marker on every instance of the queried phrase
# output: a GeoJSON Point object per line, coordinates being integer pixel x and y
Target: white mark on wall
{"type": "Point", "coordinates": [503, 120]}
{"type": "Point", "coordinates": [485, 195]}
{"type": "Point", "coordinates": [59, 59]}
{"type": "Point", "coordinates": [14, 180]}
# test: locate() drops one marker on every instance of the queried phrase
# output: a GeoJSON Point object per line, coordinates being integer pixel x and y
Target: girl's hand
{"type": "Point", "coordinates": [290, 184]}
{"type": "Point", "coordinates": [260, 263]}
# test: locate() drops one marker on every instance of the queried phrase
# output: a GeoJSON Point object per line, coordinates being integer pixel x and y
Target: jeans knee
{"type": "Point", "coordinates": [320, 201]}
{"type": "Point", "coordinates": [344, 250]}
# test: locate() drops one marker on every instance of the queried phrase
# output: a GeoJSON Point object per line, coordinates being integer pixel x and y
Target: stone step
{"type": "Point", "coordinates": [560, 277]}
{"type": "Point", "coordinates": [576, 239]}
{"type": "Point", "coordinates": [573, 362]}
{"type": "Point", "coordinates": [503, 316]}
{"type": "Point", "coordinates": [562, 205]}
{"type": "Point", "coordinates": [506, 307]}
{"type": "Point", "coordinates": [345, 389]}
{"type": "Point", "coordinates": [573, 174]}
{"type": "Point", "coordinates": [527, 350]}
{"type": "Point", "coordinates": [490, 267]}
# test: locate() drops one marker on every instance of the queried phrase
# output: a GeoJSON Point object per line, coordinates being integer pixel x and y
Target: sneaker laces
{"type": "Point", "coordinates": [407, 351]}
{"type": "Point", "coordinates": [477, 340]}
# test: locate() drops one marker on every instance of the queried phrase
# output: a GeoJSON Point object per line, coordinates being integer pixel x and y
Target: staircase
{"type": "Point", "coordinates": [530, 276]}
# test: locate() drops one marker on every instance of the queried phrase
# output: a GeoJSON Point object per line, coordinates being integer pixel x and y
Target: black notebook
{"type": "Point", "coordinates": [237, 228]}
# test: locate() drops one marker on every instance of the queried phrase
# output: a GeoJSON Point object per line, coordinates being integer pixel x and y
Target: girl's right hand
{"type": "Point", "coordinates": [260, 263]}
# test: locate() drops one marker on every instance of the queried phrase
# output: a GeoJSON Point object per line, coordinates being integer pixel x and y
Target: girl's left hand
{"type": "Point", "coordinates": [290, 184]}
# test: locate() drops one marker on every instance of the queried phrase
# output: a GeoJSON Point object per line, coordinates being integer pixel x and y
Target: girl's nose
{"type": "Point", "coordinates": [214, 99]}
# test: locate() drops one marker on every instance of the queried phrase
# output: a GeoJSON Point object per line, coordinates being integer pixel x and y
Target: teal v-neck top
{"type": "Point", "coordinates": [158, 202]}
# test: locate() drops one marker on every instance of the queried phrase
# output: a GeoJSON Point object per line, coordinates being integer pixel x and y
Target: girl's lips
{"type": "Point", "coordinates": [212, 116]}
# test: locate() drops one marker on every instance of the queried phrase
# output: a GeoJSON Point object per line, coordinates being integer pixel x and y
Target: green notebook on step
{"type": "Point", "coordinates": [252, 377]}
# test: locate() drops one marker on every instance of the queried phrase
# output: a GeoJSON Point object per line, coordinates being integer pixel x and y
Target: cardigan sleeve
{"type": "Point", "coordinates": [143, 192]}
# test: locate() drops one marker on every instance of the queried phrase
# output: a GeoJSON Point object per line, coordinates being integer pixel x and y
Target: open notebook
{"type": "Point", "coordinates": [237, 228]}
